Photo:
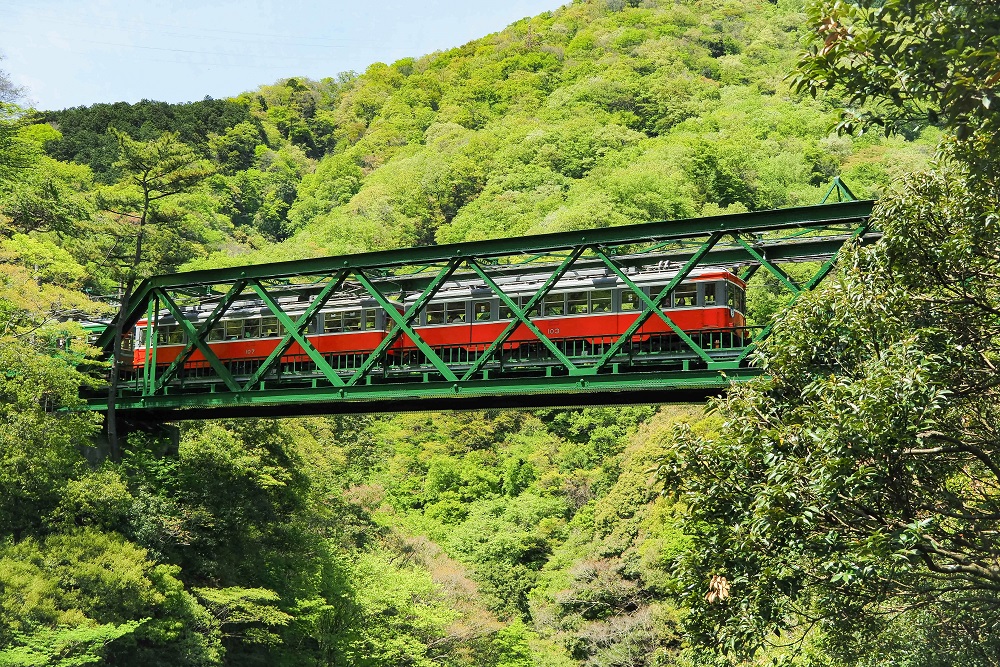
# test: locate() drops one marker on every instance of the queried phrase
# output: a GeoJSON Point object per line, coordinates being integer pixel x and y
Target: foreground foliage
{"type": "Point", "coordinates": [848, 507]}
{"type": "Point", "coordinates": [905, 63]}
{"type": "Point", "coordinates": [504, 539]}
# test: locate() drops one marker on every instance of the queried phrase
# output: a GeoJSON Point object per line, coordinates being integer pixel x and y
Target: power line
{"type": "Point", "coordinates": [292, 59]}
{"type": "Point", "coordinates": [193, 51]}
{"type": "Point", "coordinates": [211, 65]}
{"type": "Point", "coordinates": [191, 32]}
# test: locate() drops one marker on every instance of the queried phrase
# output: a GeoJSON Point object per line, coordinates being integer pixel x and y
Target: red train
{"type": "Point", "coordinates": [583, 314]}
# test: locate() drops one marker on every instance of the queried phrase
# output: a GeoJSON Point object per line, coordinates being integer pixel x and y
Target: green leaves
{"type": "Point", "coordinates": [85, 596]}
{"type": "Point", "coordinates": [16, 153]}
{"type": "Point", "coordinates": [65, 646]}
{"type": "Point", "coordinates": [248, 613]}
{"type": "Point", "coordinates": [159, 168]}
{"type": "Point", "coordinates": [902, 63]}
{"type": "Point", "coordinates": [862, 477]}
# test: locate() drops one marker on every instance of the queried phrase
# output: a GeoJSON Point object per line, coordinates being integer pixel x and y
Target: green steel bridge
{"type": "Point", "coordinates": [688, 366]}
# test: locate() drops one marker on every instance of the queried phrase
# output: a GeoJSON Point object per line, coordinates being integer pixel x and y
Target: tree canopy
{"type": "Point", "coordinates": [849, 504]}
{"type": "Point", "coordinates": [857, 492]}
{"type": "Point", "coordinates": [906, 62]}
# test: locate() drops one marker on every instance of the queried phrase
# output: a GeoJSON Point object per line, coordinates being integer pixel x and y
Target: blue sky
{"type": "Point", "coordinates": [69, 53]}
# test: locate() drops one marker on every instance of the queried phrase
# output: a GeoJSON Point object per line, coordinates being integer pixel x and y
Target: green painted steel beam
{"type": "Point", "coordinates": [297, 333]}
{"type": "Point", "coordinates": [843, 192]}
{"type": "Point", "coordinates": [760, 256]}
{"type": "Point", "coordinates": [522, 316]}
{"type": "Point", "coordinates": [817, 248]}
{"type": "Point", "coordinates": [384, 382]}
{"type": "Point", "coordinates": [295, 330]}
{"type": "Point", "coordinates": [197, 341]}
{"type": "Point", "coordinates": [650, 232]}
{"type": "Point", "coordinates": [201, 332]}
{"type": "Point", "coordinates": [381, 398]}
{"type": "Point", "coordinates": [653, 304]}
{"type": "Point", "coordinates": [404, 321]}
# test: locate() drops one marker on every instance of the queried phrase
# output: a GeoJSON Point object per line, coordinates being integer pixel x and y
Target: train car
{"type": "Point", "coordinates": [344, 331]}
{"type": "Point", "coordinates": [585, 312]}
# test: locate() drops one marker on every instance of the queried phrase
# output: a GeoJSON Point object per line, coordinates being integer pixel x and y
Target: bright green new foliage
{"type": "Point", "coordinates": [855, 495]}
{"type": "Point", "coordinates": [906, 62]}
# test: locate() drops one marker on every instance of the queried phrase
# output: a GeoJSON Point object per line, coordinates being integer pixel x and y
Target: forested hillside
{"type": "Point", "coordinates": [503, 538]}
{"type": "Point", "coordinates": [592, 115]}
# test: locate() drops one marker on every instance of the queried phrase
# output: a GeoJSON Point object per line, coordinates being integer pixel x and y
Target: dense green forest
{"type": "Point", "coordinates": [843, 513]}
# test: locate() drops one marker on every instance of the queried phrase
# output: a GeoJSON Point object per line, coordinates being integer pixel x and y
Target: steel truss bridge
{"type": "Point", "coordinates": [297, 379]}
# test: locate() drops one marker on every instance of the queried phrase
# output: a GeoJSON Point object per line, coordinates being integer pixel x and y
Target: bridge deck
{"type": "Point", "coordinates": [297, 379]}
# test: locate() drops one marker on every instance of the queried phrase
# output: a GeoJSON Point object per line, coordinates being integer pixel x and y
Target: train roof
{"type": "Point", "coordinates": [595, 278]}
{"type": "Point", "coordinates": [296, 298]}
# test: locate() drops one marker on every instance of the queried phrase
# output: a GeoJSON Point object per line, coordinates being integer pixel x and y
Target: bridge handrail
{"type": "Point", "coordinates": [802, 216]}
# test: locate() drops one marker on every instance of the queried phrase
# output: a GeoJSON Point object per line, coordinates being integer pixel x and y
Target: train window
{"type": "Point", "coordinates": [352, 320]}
{"type": "Point", "coordinates": [577, 303]}
{"type": "Point", "coordinates": [251, 328]}
{"type": "Point", "coordinates": [553, 304]}
{"type": "Point", "coordinates": [216, 332]}
{"type": "Point", "coordinates": [600, 301]}
{"type": "Point", "coordinates": [369, 319]}
{"type": "Point", "coordinates": [234, 329]}
{"type": "Point", "coordinates": [455, 311]}
{"type": "Point", "coordinates": [654, 291]}
{"type": "Point", "coordinates": [163, 334]}
{"type": "Point", "coordinates": [711, 290]}
{"type": "Point", "coordinates": [482, 311]}
{"type": "Point", "coordinates": [269, 327]}
{"type": "Point", "coordinates": [333, 322]}
{"type": "Point", "coordinates": [523, 303]}
{"type": "Point", "coordinates": [736, 297]}
{"type": "Point", "coordinates": [686, 295]}
{"type": "Point", "coordinates": [508, 314]}
{"type": "Point", "coordinates": [176, 335]}
{"type": "Point", "coordinates": [140, 338]}
{"type": "Point", "coordinates": [435, 313]}
{"type": "Point", "coordinates": [630, 300]}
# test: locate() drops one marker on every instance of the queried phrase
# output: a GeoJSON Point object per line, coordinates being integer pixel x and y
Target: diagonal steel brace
{"type": "Point", "coordinates": [653, 304]}
{"type": "Point", "coordinates": [299, 326]}
{"type": "Point", "coordinates": [522, 315]}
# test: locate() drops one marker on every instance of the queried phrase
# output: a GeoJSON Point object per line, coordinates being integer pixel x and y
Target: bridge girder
{"type": "Point", "coordinates": [609, 373]}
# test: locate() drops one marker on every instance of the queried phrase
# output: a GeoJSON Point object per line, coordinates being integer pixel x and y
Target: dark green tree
{"type": "Point", "coordinates": [857, 491]}
{"type": "Point", "coordinates": [906, 61]}
{"type": "Point", "coordinates": [154, 170]}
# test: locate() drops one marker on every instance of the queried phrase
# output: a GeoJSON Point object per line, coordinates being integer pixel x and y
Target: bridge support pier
{"type": "Point", "coordinates": [164, 437]}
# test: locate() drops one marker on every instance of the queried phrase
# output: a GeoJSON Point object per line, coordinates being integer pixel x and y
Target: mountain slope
{"type": "Point", "coordinates": [595, 114]}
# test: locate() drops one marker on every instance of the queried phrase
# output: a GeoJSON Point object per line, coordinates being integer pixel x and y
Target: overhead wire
{"type": "Point", "coordinates": [70, 35]}
{"type": "Point", "coordinates": [200, 33]}
{"type": "Point", "coordinates": [269, 51]}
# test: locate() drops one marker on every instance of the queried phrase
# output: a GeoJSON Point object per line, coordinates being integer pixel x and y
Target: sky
{"type": "Point", "coordinates": [68, 53]}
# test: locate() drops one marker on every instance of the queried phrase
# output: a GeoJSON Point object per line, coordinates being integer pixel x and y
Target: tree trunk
{"type": "Point", "coordinates": [112, 418]}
